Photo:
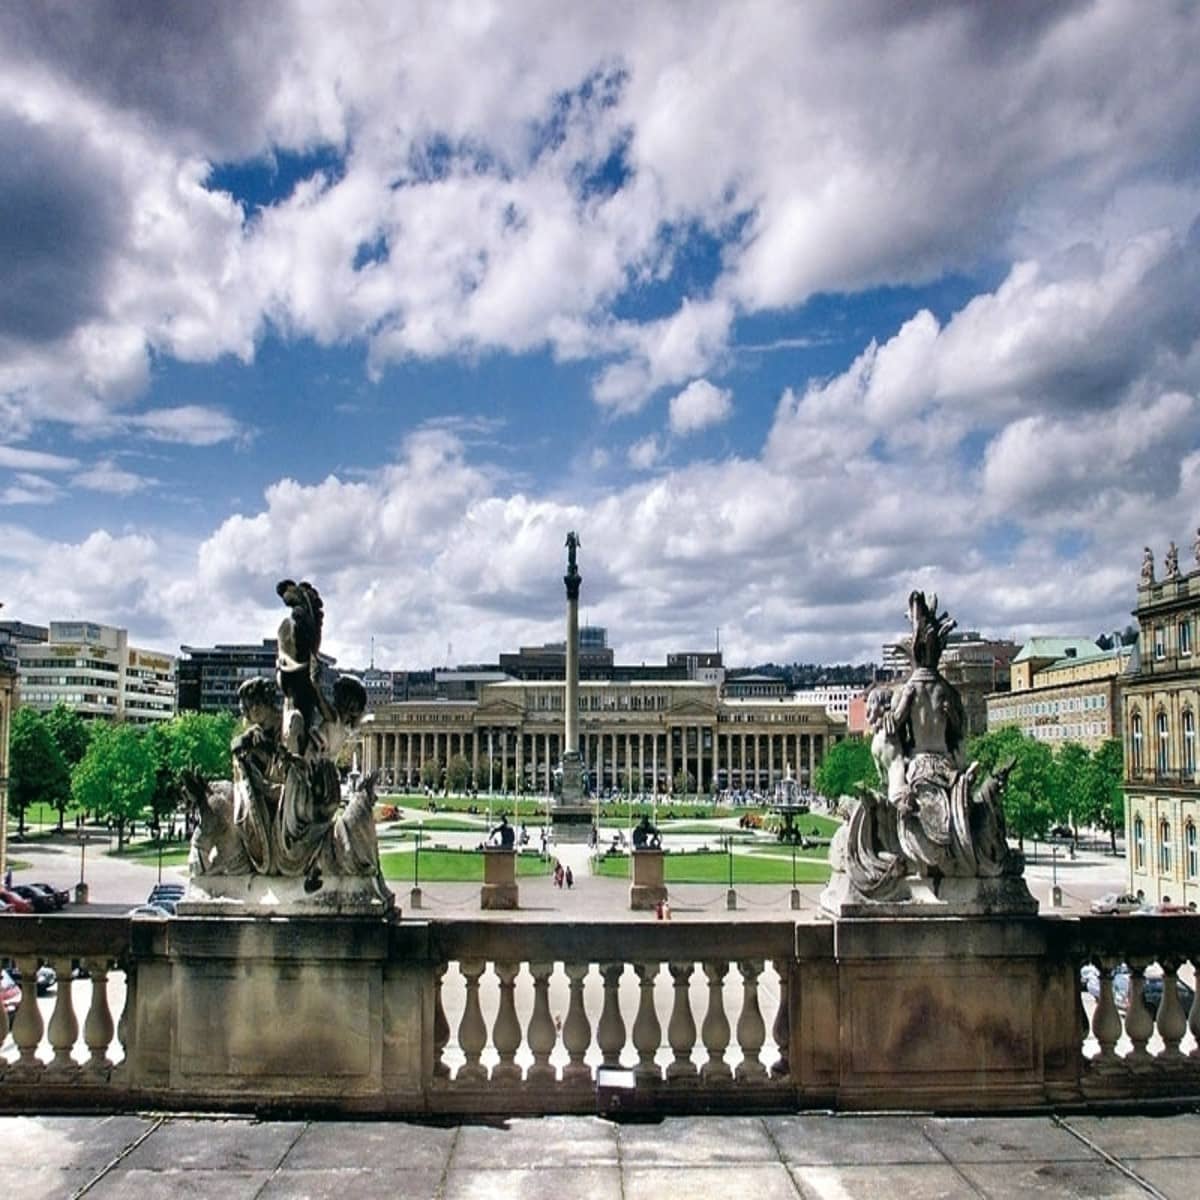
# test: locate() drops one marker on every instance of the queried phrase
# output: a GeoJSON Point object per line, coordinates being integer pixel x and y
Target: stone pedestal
{"type": "Point", "coordinates": [647, 890]}
{"type": "Point", "coordinates": [81, 893]}
{"type": "Point", "coordinates": [215, 895]}
{"type": "Point", "coordinates": [1002, 895]}
{"type": "Point", "coordinates": [499, 891]}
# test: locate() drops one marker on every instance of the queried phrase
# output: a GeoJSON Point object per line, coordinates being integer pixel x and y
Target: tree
{"type": "Point", "coordinates": [847, 766]}
{"type": "Point", "coordinates": [1108, 789]}
{"type": "Point", "coordinates": [458, 773]}
{"type": "Point", "coordinates": [1075, 784]}
{"type": "Point", "coordinates": [37, 773]}
{"type": "Point", "coordinates": [487, 774]}
{"type": "Point", "coordinates": [431, 774]}
{"type": "Point", "coordinates": [1029, 796]}
{"type": "Point", "coordinates": [683, 782]}
{"type": "Point", "coordinates": [195, 744]}
{"type": "Point", "coordinates": [69, 731]}
{"type": "Point", "coordinates": [115, 779]}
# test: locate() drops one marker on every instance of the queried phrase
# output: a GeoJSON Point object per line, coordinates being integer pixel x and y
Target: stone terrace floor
{"type": "Point", "coordinates": [590, 1158]}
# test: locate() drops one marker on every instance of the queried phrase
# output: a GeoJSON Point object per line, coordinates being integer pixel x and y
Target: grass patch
{"type": "Point", "coordinates": [714, 868]}
{"type": "Point", "coordinates": [453, 866]}
{"type": "Point", "coordinates": [175, 854]}
{"type": "Point", "coordinates": [18, 864]}
{"type": "Point", "coordinates": [438, 825]}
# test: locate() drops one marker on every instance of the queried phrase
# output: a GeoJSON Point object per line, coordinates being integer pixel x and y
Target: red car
{"type": "Point", "coordinates": [16, 904]}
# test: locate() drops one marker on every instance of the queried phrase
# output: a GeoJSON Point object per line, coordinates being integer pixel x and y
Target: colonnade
{"type": "Point", "coordinates": [642, 759]}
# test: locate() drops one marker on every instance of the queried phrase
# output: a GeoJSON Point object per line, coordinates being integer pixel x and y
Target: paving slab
{"type": "Point", "coordinates": [913, 1181]}
{"type": "Point", "coordinates": [763, 1181]}
{"type": "Point", "coordinates": [90, 1143]}
{"type": "Point", "coordinates": [41, 1183]}
{"type": "Point", "coordinates": [1141, 1137]}
{"type": "Point", "coordinates": [536, 1141]}
{"type": "Point", "coordinates": [204, 1184]}
{"type": "Point", "coordinates": [391, 1145]}
{"type": "Point", "coordinates": [350, 1183]}
{"type": "Point", "coordinates": [1095, 1180]}
{"type": "Point", "coordinates": [825, 1140]}
{"type": "Point", "coordinates": [1004, 1139]}
{"type": "Point", "coordinates": [216, 1144]}
{"type": "Point", "coordinates": [1176, 1178]}
{"type": "Point", "coordinates": [697, 1141]}
{"type": "Point", "coordinates": [535, 1183]}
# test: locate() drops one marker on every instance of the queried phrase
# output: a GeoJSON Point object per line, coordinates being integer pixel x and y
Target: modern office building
{"type": "Point", "coordinates": [1063, 689]}
{"type": "Point", "coordinates": [1161, 703]}
{"type": "Point", "coordinates": [836, 697]}
{"type": "Point", "coordinates": [209, 676]}
{"type": "Point", "coordinates": [645, 732]}
{"type": "Point", "coordinates": [93, 669]}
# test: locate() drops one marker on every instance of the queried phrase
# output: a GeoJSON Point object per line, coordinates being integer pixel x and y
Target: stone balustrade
{"type": "Point", "coordinates": [488, 1017]}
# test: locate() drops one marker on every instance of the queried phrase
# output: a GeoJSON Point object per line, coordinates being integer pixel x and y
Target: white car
{"type": "Point", "coordinates": [1117, 903]}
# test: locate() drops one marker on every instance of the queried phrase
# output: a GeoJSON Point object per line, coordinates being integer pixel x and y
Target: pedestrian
{"type": "Point", "coordinates": [558, 874]}
{"type": "Point", "coordinates": [8, 879]}
{"type": "Point", "coordinates": [570, 878]}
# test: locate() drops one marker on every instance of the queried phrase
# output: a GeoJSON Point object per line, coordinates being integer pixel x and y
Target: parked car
{"type": "Point", "coordinates": [10, 993]}
{"type": "Point", "coordinates": [1152, 987]}
{"type": "Point", "coordinates": [148, 910]}
{"type": "Point", "coordinates": [172, 891]}
{"type": "Point", "coordinates": [16, 904]}
{"type": "Point", "coordinates": [60, 896]}
{"type": "Point", "coordinates": [1117, 902]}
{"type": "Point", "coordinates": [41, 902]}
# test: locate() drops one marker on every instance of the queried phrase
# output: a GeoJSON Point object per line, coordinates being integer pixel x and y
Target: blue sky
{"type": "Point", "coordinates": [786, 309]}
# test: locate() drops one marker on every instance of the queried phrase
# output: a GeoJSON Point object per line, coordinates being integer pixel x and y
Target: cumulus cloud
{"type": "Point", "coordinates": [107, 477]}
{"type": "Point", "coordinates": [643, 454]}
{"type": "Point", "coordinates": [34, 460]}
{"type": "Point", "coordinates": [698, 406]}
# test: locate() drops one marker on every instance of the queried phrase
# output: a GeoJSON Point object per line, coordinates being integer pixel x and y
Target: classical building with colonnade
{"type": "Point", "coordinates": [639, 733]}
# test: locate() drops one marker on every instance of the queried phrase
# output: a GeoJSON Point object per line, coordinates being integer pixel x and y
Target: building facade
{"type": "Point", "coordinates": [8, 699]}
{"type": "Point", "coordinates": [642, 734]}
{"type": "Point", "coordinates": [1063, 690]}
{"type": "Point", "coordinates": [92, 669]}
{"type": "Point", "coordinates": [1162, 705]}
{"type": "Point", "coordinates": [209, 676]}
{"type": "Point", "coordinates": [834, 697]}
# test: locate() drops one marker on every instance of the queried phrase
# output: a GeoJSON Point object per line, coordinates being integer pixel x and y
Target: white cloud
{"type": "Point", "coordinates": [34, 460]}
{"type": "Point", "coordinates": [107, 477]}
{"type": "Point", "coordinates": [188, 424]}
{"type": "Point", "coordinates": [643, 454]}
{"type": "Point", "coordinates": [30, 489]}
{"type": "Point", "coordinates": [698, 406]}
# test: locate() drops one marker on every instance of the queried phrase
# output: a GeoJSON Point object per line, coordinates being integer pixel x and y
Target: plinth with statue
{"type": "Point", "coordinates": [648, 889]}
{"type": "Point", "coordinates": [278, 839]}
{"type": "Point", "coordinates": [931, 839]}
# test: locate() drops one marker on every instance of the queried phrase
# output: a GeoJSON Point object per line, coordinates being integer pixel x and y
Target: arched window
{"type": "Point", "coordinates": [1135, 737]}
{"type": "Point", "coordinates": [1139, 843]}
{"type": "Point", "coordinates": [1193, 852]}
{"type": "Point", "coordinates": [1162, 756]}
{"type": "Point", "coordinates": [1164, 847]}
{"type": "Point", "coordinates": [1189, 741]}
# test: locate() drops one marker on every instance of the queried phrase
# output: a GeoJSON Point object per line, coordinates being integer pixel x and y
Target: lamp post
{"type": "Point", "coordinates": [160, 856]}
{"type": "Point", "coordinates": [730, 895]}
{"type": "Point", "coordinates": [795, 897]}
{"type": "Point", "coordinates": [415, 895]}
{"type": "Point", "coordinates": [81, 888]}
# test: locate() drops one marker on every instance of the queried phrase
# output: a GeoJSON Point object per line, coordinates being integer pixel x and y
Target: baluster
{"type": "Point", "coordinates": [441, 1027]}
{"type": "Point", "coordinates": [1106, 1021]}
{"type": "Point", "coordinates": [610, 1033]}
{"type": "Point", "coordinates": [647, 1032]}
{"type": "Point", "coordinates": [125, 1020]}
{"type": "Point", "coordinates": [98, 1025]}
{"type": "Point", "coordinates": [1172, 1020]}
{"type": "Point", "coordinates": [64, 1025]}
{"type": "Point", "coordinates": [506, 1033]}
{"type": "Point", "coordinates": [751, 1029]}
{"type": "Point", "coordinates": [681, 1028]}
{"type": "Point", "coordinates": [472, 1033]}
{"type": "Point", "coordinates": [715, 1029]}
{"type": "Point", "coordinates": [27, 1024]}
{"type": "Point", "coordinates": [781, 1030]}
{"type": "Point", "coordinates": [1194, 1015]}
{"type": "Point", "coordinates": [577, 1030]}
{"type": "Point", "coordinates": [541, 1035]}
{"type": "Point", "coordinates": [1139, 1024]}
{"type": "Point", "coordinates": [3, 1031]}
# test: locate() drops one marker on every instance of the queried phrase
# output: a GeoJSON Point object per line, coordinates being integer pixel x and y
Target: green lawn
{"type": "Point", "coordinates": [714, 868]}
{"type": "Point", "coordinates": [438, 824]}
{"type": "Point", "coordinates": [779, 850]}
{"type": "Point", "coordinates": [452, 866]}
{"type": "Point", "coordinates": [175, 854]}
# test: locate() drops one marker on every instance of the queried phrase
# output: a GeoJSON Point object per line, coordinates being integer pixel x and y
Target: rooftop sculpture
{"type": "Point", "coordinates": [277, 836]}
{"type": "Point", "coordinates": [933, 839]}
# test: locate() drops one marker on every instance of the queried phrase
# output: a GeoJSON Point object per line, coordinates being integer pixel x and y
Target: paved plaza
{"type": "Point", "coordinates": [794, 1157]}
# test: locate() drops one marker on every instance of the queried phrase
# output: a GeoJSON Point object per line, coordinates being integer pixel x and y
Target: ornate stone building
{"type": "Point", "coordinates": [644, 731]}
{"type": "Point", "coordinates": [1162, 704]}
{"type": "Point", "coordinates": [8, 687]}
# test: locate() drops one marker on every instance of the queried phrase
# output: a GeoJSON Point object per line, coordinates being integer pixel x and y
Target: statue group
{"type": "Point", "coordinates": [933, 833]}
{"type": "Point", "coordinates": [279, 832]}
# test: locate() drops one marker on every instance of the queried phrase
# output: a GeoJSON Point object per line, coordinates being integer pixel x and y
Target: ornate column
{"type": "Point", "coordinates": [572, 780]}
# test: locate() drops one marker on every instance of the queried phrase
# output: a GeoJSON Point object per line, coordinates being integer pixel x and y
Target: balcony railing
{"type": "Point", "coordinates": [534, 1017]}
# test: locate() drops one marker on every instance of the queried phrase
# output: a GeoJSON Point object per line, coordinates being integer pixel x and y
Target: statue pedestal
{"type": "Point", "coordinates": [996, 896]}
{"type": "Point", "coordinates": [647, 890]}
{"type": "Point", "coordinates": [499, 891]}
{"type": "Point", "coordinates": [214, 895]}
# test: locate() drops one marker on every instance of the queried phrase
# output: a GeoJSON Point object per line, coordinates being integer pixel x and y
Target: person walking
{"type": "Point", "coordinates": [570, 878]}
{"type": "Point", "coordinates": [558, 874]}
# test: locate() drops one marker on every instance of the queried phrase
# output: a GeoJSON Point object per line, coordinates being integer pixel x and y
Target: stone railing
{"type": "Point", "coordinates": [495, 1018]}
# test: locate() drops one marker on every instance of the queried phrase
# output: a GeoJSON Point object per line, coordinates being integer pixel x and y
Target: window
{"type": "Point", "coordinates": [1185, 637]}
{"type": "Point", "coordinates": [1164, 847]}
{"type": "Point", "coordinates": [1135, 733]}
{"type": "Point", "coordinates": [1160, 649]}
{"type": "Point", "coordinates": [1189, 741]}
{"type": "Point", "coordinates": [1139, 844]}
{"type": "Point", "coordinates": [1193, 854]}
{"type": "Point", "coordinates": [1162, 752]}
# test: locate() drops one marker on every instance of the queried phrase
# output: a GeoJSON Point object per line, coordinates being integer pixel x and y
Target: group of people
{"type": "Point", "coordinates": [563, 875]}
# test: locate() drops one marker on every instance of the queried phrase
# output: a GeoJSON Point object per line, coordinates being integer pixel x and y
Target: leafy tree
{"type": "Point", "coordinates": [458, 773]}
{"type": "Point", "coordinates": [684, 782]}
{"type": "Point", "coordinates": [1108, 784]}
{"type": "Point", "coordinates": [1075, 784]}
{"type": "Point", "coordinates": [487, 774]}
{"type": "Point", "coordinates": [115, 779]}
{"type": "Point", "coordinates": [431, 774]}
{"type": "Point", "coordinates": [37, 773]}
{"type": "Point", "coordinates": [846, 767]}
{"type": "Point", "coordinates": [1029, 796]}
{"type": "Point", "coordinates": [69, 731]}
{"type": "Point", "coordinates": [193, 743]}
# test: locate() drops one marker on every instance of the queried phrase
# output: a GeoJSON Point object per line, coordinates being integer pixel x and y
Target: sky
{"type": "Point", "coordinates": [788, 309]}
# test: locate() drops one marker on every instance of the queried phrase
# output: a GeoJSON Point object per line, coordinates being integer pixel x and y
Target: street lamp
{"type": "Point", "coordinates": [730, 895]}
{"type": "Point", "coordinates": [415, 895]}
{"type": "Point", "coordinates": [795, 897]}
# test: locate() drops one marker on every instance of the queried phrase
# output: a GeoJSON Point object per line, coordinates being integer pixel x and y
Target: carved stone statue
{"type": "Point", "coordinates": [1147, 566]}
{"type": "Point", "coordinates": [1171, 562]}
{"type": "Point", "coordinates": [1196, 548]}
{"type": "Point", "coordinates": [502, 835]}
{"type": "Point", "coordinates": [277, 837]}
{"type": "Point", "coordinates": [928, 840]}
